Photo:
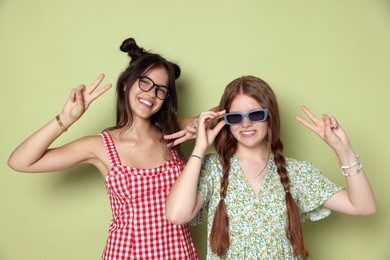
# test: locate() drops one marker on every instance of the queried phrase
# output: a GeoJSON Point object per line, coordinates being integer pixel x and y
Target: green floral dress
{"type": "Point", "coordinates": [258, 222]}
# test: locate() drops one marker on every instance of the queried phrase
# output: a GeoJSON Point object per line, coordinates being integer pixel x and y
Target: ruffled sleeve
{"type": "Point", "coordinates": [311, 189]}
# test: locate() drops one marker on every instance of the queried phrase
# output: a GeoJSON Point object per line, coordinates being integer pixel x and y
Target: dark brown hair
{"type": "Point", "coordinates": [226, 146]}
{"type": "Point", "coordinates": [141, 61]}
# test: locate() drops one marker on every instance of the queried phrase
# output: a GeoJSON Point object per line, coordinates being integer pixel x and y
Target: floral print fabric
{"type": "Point", "coordinates": [257, 223]}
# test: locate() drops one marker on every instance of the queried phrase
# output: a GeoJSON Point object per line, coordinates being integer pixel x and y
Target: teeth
{"type": "Point", "coordinates": [247, 132]}
{"type": "Point", "coordinates": [143, 101]}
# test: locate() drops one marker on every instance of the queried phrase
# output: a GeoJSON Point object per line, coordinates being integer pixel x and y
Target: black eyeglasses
{"type": "Point", "coordinates": [146, 84]}
{"type": "Point", "coordinates": [256, 115]}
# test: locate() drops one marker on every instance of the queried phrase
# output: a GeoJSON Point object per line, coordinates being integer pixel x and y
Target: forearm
{"type": "Point", "coordinates": [359, 189]}
{"type": "Point", "coordinates": [34, 147]}
{"type": "Point", "coordinates": [181, 203]}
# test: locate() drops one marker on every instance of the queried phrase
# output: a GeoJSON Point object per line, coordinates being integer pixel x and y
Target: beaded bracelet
{"type": "Point", "coordinates": [356, 172]}
{"type": "Point", "coordinates": [63, 127]}
{"type": "Point", "coordinates": [350, 166]}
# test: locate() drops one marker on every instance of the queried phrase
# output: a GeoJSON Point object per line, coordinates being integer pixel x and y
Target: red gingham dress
{"type": "Point", "coordinates": [138, 229]}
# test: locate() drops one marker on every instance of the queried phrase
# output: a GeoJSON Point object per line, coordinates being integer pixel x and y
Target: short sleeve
{"type": "Point", "coordinates": [312, 189]}
{"type": "Point", "coordinates": [206, 184]}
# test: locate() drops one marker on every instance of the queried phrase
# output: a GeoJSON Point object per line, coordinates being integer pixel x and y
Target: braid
{"type": "Point", "coordinates": [226, 146]}
{"type": "Point", "coordinates": [294, 228]}
{"type": "Point", "coordinates": [219, 235]}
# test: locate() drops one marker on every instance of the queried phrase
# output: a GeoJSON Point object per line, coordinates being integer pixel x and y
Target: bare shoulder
{"type": "Point", "coordinates": [95, 143]}
{"type": "Point", "coordinates": [94, 146]}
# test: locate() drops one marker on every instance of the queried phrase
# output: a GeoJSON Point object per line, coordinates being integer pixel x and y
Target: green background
{"type": "Point", "coordinates": [332, 56]}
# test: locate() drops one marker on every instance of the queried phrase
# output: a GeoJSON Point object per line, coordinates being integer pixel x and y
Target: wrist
{"type": "Point", "coordinates": [347, 157]}
{"type": "Point", "coordinates": [61, 124]}
{"type": "Point", "coordinates": [63, 121]}
{"type": "Point", "coordinates": [345, 153]}
{"type": "Point", "coordinates": [197, 157]}
{"type": "Point", "coordinates": [199, 152]}
{"type": "Point", "coordinates": [351, 169]}
{"type": "Point", "coordinates": [66, 120]}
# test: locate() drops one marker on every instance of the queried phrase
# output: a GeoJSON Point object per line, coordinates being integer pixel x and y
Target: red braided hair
{"type": "Point", "coordinates": [226, 146]}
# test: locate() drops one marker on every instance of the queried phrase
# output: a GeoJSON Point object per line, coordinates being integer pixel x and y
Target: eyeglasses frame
{"type": "Point", "coordinates": [154, 85]}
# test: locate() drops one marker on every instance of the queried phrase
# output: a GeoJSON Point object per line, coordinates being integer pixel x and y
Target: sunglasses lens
{"type": "Point", "coordinates": [256, 116]}
{"type": "Point", "coordinates": [233, 119]}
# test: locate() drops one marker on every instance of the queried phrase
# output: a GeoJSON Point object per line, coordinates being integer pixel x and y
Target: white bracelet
{"type": "Point", "coordinates": [350, 166]}
{"type": "Point", "coordinates": [354, 173]}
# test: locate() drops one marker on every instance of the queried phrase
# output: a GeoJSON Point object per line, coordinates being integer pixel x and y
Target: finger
{"type": "Point", "coordinates": [177, 141]}
{"type": "Point", "coordinates": [175, 135]}
{"type": "Point", "coordinates": [222, 112]}
{"type": "Point", "coordinates": [73, 93]}
{"type": "Point", "coordinates": [79, 98]}
{"type": "Point", "coordinates": [208, 121]}
{"type": "Point", "coordinates": [327, 125]}
{"type": "Point", "coordinates": [219, 126]}
{"type": "Point", "coordinates": [72, 96]}
{"type": "Point", "coordinates": [207, 116]}
{"type": "Point", "coordinates": [191, 129]}
{"type": "Point", "coordinates": [96, 83]}
{"type": "Point", "coordinates": [306, 123]}
{"type": "Point", "coordinates": [101, 91]}
{"type": "Point", "coordinates": [181, 140]}
{"type": "Point", "coordinates": [310, 115]}
{"type": "Point", "coordinates": [333, 123]}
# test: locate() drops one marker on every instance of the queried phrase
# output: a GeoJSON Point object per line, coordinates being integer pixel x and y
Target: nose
{"type": "Point", "coordinates": [246, 122]}
{"type": "Point", "coordinates": [153, 92]}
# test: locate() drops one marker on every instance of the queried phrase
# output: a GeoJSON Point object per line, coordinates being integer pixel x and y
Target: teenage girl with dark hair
{"type": "Point", "coordinates": [256, 197]}
{"type": "Point", "coordinates": [138, 167]}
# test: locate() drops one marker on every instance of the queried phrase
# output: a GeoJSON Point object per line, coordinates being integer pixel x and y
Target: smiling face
{"type": "Point", "coordinates": [248, 134]}
{"type": "Point", "coordinates": [145, 104]}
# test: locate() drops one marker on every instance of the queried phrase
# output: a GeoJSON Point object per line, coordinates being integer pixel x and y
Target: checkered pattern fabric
{"type": "Point", "coordinates": [138, 229]}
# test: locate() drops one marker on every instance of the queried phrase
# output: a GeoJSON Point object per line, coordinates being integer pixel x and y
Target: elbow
{"type": "Point", "coordinates": [175, 221]}
{"type": "Point", "coordinates": [370, 211]}
{"type": "Point", "coordinates": [176, 217]}
{"type": "Point", "coordinates": [367, 211]}
{"type": "Point", "coordinates": [15, 165]}
{"type": "Point", "coordinates": [12, 164]}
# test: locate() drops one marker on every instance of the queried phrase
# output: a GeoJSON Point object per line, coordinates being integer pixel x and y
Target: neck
{"type": "Point", "coordinates": [141, 129]}
{"type": "Point", "coordinates": [253, 153]}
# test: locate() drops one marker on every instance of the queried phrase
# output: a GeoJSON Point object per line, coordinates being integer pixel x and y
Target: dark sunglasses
{"type": "Point", "coordinates": [257, 115]}
{"type": "Point", "coordinates": [146, 84]}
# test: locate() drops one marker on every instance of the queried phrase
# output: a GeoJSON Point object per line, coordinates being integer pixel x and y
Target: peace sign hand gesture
{"type": "Point", "coordinates": [328, 129]}
{"type": "Point", "coordinates": [79, 100]}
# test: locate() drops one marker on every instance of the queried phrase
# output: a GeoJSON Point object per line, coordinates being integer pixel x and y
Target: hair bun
{"type": "Point", "coordinates": [176, 69]}
{"type": "Point", "coordinates": [133, 50]}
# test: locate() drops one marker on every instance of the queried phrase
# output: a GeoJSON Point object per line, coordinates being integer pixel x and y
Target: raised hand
{"type": "Point", "coordinates": [79, 100]}
{"type": "Point", "coordinates": [183, 135]}
{"type": "Point", "coordinates": [207, 132]}
{"type": "Point", "coordinates": [327, 128]}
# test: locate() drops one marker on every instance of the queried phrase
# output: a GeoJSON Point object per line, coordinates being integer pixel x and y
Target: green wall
{"type": "Point", "coordinates": [332, 56]}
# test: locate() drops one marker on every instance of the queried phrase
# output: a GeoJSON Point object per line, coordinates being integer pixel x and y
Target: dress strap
{"type": "Point", "coordinates": [176, 159]}
{"type": "Point", "coordinates": [110, 149]}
